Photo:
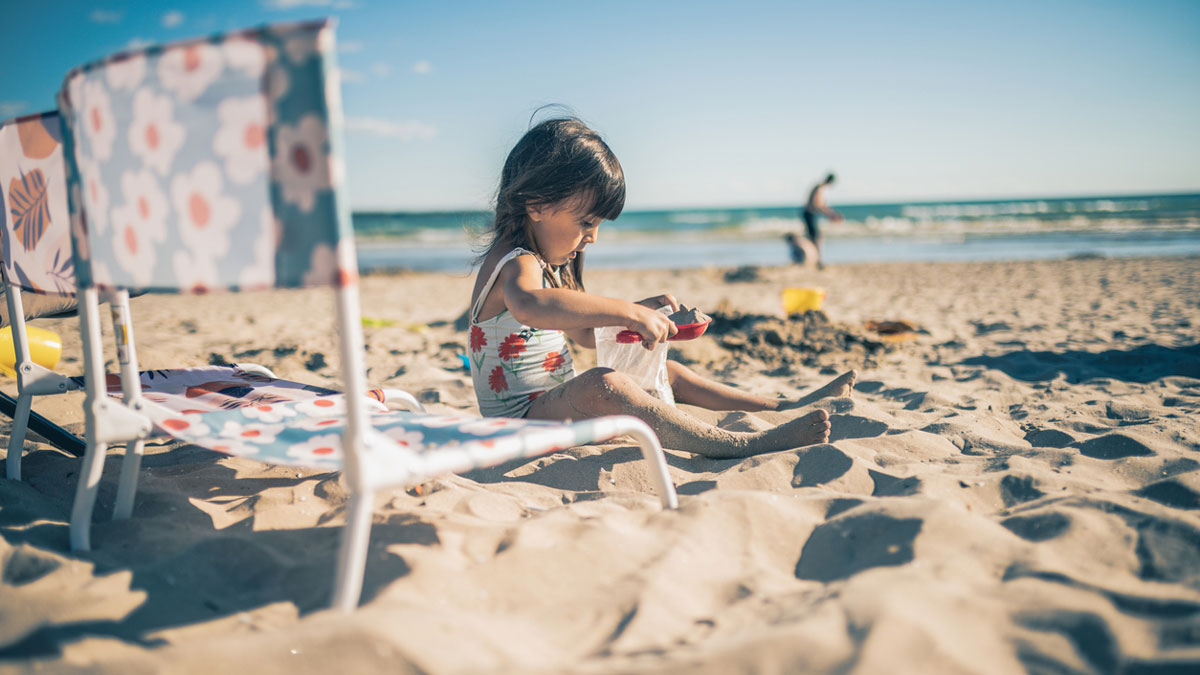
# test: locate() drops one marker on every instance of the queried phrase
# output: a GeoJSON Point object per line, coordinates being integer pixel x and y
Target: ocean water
{"type": "Point", "coordinates": [1019, 229]}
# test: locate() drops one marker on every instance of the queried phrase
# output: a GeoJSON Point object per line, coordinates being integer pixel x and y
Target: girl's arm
{"type": "Point", "coordinates": [567, 310]}
{"type": "Point", "coordinates": [586, 337]}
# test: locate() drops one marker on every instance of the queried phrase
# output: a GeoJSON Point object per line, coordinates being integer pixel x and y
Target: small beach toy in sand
{"type": "Point", "coordinates": [371, 322]}
{"type": "Point", "coordinates": [690, 323]}
{"type": "Point", "coordinates": [45, 347]}
{"type": "Point", "coordinates": [892, 331]}
{"type": "Point", "coordinates": [800, 300]}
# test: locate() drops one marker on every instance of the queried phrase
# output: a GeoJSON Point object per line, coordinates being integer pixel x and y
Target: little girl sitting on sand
{"type": "Point", "coordinates": [558, 184]}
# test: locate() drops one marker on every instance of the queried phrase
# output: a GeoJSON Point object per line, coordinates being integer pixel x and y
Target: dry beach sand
{"type": "Point", "coordinates": [1013, 488]}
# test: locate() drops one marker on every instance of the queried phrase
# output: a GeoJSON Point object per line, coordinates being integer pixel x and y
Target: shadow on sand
{"type": "Point", "coordinates": [1144, 363]}
{"type": "Point", "coordinates": [195, 572]}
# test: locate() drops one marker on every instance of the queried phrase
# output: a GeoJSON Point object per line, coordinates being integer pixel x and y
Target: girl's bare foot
{"type": "Point", "coordinates": [842, 385]}
{"type": "Point", "coordinates": [807, 430]}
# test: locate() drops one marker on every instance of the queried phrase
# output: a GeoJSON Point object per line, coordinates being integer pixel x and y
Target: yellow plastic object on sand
{"type": "Point", "coordinates": [45, 347]}
{"type": "Point", "coordinates": [800, 300]}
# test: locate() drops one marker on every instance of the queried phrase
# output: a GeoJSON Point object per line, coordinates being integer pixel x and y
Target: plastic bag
{"type": "Point", "coordinates": [647, 367]}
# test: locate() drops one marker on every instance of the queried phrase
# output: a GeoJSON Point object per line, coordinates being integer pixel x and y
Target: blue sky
{"type": "Point", "coordinates": [717, 104]}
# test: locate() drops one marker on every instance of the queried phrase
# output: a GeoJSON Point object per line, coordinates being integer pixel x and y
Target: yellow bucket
{"type": "Point", "coordinates": [45, 346]}
{"type": "Point", "coordinates": [800, 300]}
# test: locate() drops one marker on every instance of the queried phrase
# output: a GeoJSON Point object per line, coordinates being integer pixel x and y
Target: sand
{"type": "Point", "coordinates": [1013, 486]}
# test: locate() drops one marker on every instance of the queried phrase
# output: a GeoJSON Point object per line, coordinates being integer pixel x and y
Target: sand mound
{"type": "Point", "coordinates": [808, 339]}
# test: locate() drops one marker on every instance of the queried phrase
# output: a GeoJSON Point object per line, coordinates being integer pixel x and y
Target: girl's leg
{"type": "Point", "coordinates": [602, 391]}
{"type": "Point", "coordinates": [692, 389]}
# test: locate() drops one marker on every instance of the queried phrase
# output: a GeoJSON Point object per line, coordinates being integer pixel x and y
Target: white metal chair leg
{"type": "Point", "coordinates": [127, 484]}
{"type": "Point", "coordinates": [398, 399]}
{"type": "Point", "coordinates": [656, 461]}
{"type": "Point", "coordinates": [85, 496]}
{"type": "Point", "coordinates": [16, 442]}
{"type": "Point", "coordinates": [352, 554]}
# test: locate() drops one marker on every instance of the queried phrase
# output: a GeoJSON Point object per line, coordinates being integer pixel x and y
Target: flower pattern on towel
{"type": "Point", "coordinates": [317, 442]}
{"type": "Point", "coordinates": [250, 432]}
{"type": "Point", "coordinates": [202, 116]}
{"type": "Point", "coordinates": [327, 447]}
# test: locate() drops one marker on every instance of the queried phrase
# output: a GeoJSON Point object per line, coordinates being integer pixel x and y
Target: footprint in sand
{"type": "Point", "coordinates": [819, 465]}
{"type": "Point", "coordinates": [1113, 446]}
{"type": "Point", "coordinates": [316, 361]}
{"type": "Point", "coordinates": [696, 487]}
{"type": "Point", "coordinates": [1018, 490]}
{"type": "Point", "coordinates": [1180, 492]}
{"type": "Point", "coordinates": [1089, 634]}
{"type": "Point", "coordinates": [841, 548]}
{"type": "Point", "coordinates": [1049, 438]}
{"type": "Point", "coordinates": [854, 426]}
{"type": "Point", "coordinates": [894, 486]}
{"type": "Point", "coordinates": [27, 565]}
{"type": "Point", "coordinates": [1038, 527]}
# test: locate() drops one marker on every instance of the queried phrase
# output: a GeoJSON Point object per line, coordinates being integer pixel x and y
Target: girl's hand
{"type": "Point", "coordinates": [654, 327]}
{"type": "Point", "coordinates": [660, 301]}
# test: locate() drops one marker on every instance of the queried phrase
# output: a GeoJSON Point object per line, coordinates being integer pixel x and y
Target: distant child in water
{"type": "Point", "coordinates": [559, 183]}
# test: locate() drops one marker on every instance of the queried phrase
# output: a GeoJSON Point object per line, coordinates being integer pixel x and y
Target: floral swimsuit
{"type": "Point", "coordinates": [511, 363]}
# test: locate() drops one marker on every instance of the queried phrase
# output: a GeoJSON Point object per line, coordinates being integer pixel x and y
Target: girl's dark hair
{"type": "Point", "coordinates": [556, 160]}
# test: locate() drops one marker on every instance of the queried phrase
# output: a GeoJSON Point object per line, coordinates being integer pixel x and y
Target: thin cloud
{"type": "Point", "coordinates": [405, 130]}
{"type": "Point", "coordinates": [381, 69]}
{"type": "Point", "coordinates": [295, 4]}
{"type": "Point", "coordinates": [350, 47]}
{"type": "Point", "coordinates": [422, 67]}
{"type": "Point", "coordinates": [172, 19]}
{"type": "Point", "coordinates": [105, 16]}
{"type": "Point", "coordinates": [12, 108]}
{"type": "Point", "coordinates": [138, 43]}
{"type": "Point", "coordinates": [348, 75]}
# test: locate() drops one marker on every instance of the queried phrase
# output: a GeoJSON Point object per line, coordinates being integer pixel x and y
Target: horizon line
{"type": "Point", "coordinates": [799, 204]}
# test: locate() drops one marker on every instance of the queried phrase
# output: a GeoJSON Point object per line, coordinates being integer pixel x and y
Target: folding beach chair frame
{"type": "Point", "coordinates": [110, 421]}
{"type": "Point", "coordinates": [33, 379]}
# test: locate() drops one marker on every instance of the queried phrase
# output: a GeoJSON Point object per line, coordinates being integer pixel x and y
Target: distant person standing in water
{"type": "Point", "coordinates": [813, 210]}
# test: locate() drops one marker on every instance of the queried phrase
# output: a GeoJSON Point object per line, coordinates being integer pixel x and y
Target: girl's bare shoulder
{"type": "Point", "coordinates": [518, 266]}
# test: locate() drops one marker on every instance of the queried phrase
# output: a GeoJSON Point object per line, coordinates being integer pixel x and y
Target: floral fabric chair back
{"type": "Point", "coordinates": [35, 237]}
{"type": "Point", "coordinates": [209, 164]}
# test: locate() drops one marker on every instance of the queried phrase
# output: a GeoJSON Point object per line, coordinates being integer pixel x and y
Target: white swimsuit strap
{"type": "Point", "coordinates": [487, 288]}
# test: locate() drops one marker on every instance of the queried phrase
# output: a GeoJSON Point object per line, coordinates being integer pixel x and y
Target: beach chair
{"type": "Point", "coordinates": [239, 134]}
{"type": "Point", "coordinates": [35, 252]}
{"type": "Point", "coordinates": [35, 249]}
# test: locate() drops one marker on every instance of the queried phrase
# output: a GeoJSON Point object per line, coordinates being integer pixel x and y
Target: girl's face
{"type": "Point", "coordinates": [562, 229]}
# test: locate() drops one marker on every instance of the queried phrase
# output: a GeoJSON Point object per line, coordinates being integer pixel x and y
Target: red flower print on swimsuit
{"type": "Point", "coordinates": [553, 362]}
{"type": "Point", "coordinates": [478, 341]}
{"type": "Point", "coordinates": [496, 380]}
{"type": "Point", "coordinates": [512, 346]}
{"type": "Point", "coordinates": [534, 394]}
